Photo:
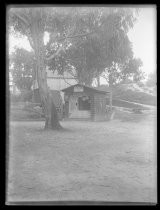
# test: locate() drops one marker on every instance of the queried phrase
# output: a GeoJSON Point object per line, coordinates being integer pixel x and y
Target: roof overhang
{"type": "Point", "coordinates": [71, 88]}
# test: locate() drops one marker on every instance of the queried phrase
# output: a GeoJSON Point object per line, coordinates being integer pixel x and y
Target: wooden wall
{"type": "Point", "coordinates": [99, 107]}
{"type": "Point", "coordinates": [74, 112]}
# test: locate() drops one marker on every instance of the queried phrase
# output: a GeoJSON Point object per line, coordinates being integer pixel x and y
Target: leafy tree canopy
{"type": "Point", "coordinates": [152, 79]}
{"type": "Point", "coordinates": [97, 36]}
{"type": "Point", "coordinates": [106, 42]}
{"type": "Point", "coordinates": [22, 70]}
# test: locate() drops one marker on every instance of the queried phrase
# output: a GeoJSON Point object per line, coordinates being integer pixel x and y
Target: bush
{"type": "Point", "coordinates": [25, 111]}
{"type": "Point", "coordinates": [26, 95]}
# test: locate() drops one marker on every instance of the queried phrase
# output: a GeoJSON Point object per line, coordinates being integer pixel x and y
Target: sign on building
{"type": "Point", "coordinates": [78, 89]}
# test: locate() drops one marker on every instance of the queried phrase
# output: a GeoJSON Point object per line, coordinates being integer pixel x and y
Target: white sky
{"type": "Point", "coordinates": [143, 37]}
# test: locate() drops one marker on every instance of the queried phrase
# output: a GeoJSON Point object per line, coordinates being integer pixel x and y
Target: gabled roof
{"type": "Point", "coordinates": [70, 89]}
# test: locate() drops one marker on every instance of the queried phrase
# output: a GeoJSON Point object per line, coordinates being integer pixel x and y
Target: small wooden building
{"type": "Point", "coordinates": [82, 102]}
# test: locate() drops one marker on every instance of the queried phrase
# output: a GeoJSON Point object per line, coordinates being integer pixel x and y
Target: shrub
{"type": "Point", "coordinates": [26, 95]}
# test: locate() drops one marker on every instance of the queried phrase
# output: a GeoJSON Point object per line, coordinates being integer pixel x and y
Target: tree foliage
{"type": "Point", "coordinates": [129, 71]}
{"type": "Point", "coordinates": [88, 40]}
{"type": "Point", "coordinates": [152, 79]}
{"type": "Point", "coordinates": [106, 43]}
{"type": "Point", "coordinates": [23, 68]}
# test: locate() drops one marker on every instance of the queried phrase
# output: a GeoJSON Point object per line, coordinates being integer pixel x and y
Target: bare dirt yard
{"type": "Point", "coordinates": [88, 161]}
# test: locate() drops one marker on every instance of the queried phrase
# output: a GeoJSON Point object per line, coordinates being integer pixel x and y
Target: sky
{"type": "Point", "coordinates": [142, 36]}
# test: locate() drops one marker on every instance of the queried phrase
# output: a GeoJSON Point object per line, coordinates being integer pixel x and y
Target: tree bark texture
{"type": "Point", "coordinates": [98, 81]}
{"type": "Point", "coordinates": [110, 100]}
{"type": "Point", "coordinates": [110, 89]}
{"type": "Point", "coordinates": [51, 116]}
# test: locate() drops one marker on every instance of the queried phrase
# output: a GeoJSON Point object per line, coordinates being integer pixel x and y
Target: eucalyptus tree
{"type": "Point", "coordinates": [68, 27]}
{"type": "Point", "coordinates": [82, 51]}
{"type": "Point", "coordinates": [119, 73]}
{"type": "Point", "coordinates": [117, 51]}
{"type": "Point", "coordinates": [62, 24]}
{"type": "Point", "coordinates": [132, 70]}
{"type": "Point", "coordinates": [33, 22]}
{"type": "Point", "coordinates": [106, 29]}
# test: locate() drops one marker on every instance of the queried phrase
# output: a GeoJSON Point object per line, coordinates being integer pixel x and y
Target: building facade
{"type": "Point", "coordinates": [82, 102]}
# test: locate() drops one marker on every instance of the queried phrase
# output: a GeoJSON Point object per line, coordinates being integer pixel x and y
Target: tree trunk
{"type": "Point", "coordinates": [110, 99]}
{"type": "Point", "coordinates": [98, 81]}
{"type": "Point", "coordinates": [52, 121]}
{"type": "Point", "coordinates": [51, 116]}
{"type": "Point", "coordinates": [110, 89]}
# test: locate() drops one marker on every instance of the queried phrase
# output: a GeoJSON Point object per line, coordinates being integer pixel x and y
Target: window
{"type": "Point", "coordinates": [84, 103]}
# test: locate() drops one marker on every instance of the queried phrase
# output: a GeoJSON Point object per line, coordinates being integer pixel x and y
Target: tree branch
{"type": "Point", "coordinates": [21, 18]}
{"type": "Point", "coordinates": [30, 41]}
{"type": "Point", "coordinates": [78, 35]}
{"type": "Point", "coordinates": [71, 37]}
{"type": "Point", "coordinates": [56, 53]}
{"type": "Point", "coordinates": [81, 35]}
{"type": "Point", "coordinates": [72, 74]}
{"type": "Point", "coordinates": [66, 81]}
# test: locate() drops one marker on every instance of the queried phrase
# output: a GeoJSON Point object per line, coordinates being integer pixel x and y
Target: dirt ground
{"type": "Point", "coordinates": [89, 161]}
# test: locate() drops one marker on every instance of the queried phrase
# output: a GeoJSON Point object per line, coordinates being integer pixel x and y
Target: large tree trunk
{"type": "Point", "coordinates": [110, 89]}
{"type": "Point", "coordinates": [110, 100]}
{"type": "Point", "coordinates": [51, 115]}
{"type": "Point", "coordinates": [52, 121]}
{"type": "Point", "coordinates": [98, 81]}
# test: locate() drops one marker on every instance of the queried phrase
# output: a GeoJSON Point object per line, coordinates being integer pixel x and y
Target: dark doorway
{"type": "Point", "coordinates": [84, 103]}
